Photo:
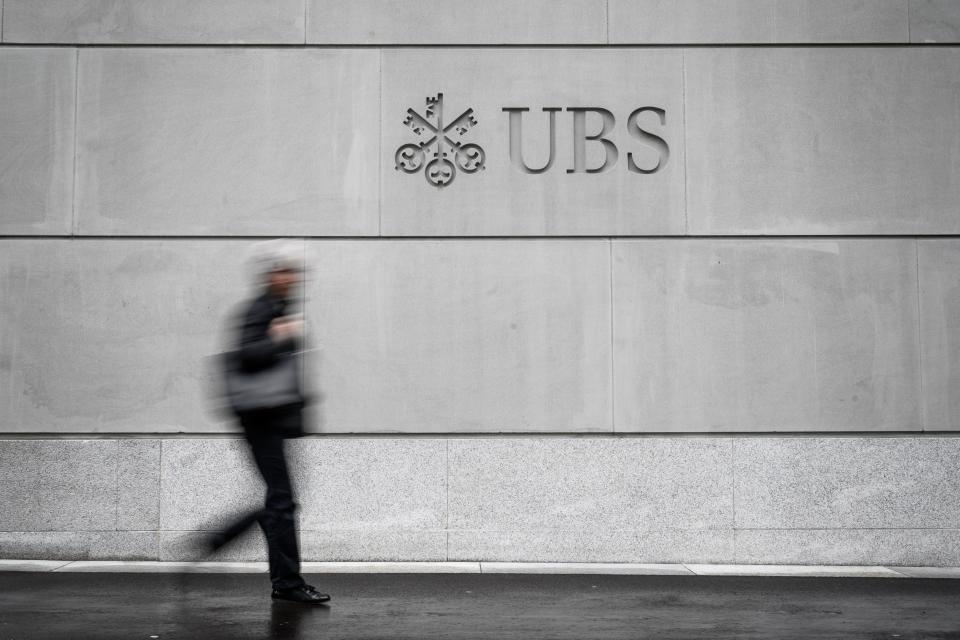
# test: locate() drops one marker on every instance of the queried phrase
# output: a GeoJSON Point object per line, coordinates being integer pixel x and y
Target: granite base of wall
{"type": "Point", "coordinates": [796, 500]}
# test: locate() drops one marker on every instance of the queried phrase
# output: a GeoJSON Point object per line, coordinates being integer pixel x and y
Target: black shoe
{"type": "Point", "coordinates": [213, 543]}
{"type": "Point", "coordinates": [305, 594]}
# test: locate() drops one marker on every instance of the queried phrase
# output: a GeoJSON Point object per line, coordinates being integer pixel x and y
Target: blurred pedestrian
{"type": "Point", "coordinates": [265, 391]}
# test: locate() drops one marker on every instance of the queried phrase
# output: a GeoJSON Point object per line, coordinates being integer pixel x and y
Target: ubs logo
{"type": "Point", "coordinates": [441, 150]}
{"type": "Point", "coordinates": [440, 142]}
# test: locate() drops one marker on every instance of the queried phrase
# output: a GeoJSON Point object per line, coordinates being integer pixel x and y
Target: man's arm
{"type": "Point", "coordinates": [258, 350]}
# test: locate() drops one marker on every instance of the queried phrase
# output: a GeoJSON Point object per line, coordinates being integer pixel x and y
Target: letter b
{"type": "Point", "coordinates": [580, 138]}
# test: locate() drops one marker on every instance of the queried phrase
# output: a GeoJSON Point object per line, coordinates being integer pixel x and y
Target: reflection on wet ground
{"type": "Point", "coordinates": [427, 606]}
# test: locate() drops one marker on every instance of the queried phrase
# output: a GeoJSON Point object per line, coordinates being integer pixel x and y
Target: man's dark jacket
{"type": "Point", "coordinates": [258, 351]}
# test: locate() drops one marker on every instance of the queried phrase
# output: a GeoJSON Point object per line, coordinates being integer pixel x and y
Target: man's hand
{"type": "Point", "coordinates": [285, 328]}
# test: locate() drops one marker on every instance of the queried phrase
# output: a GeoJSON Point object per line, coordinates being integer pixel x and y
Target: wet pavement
{"type": "Point", "coordinates": [426, 606]}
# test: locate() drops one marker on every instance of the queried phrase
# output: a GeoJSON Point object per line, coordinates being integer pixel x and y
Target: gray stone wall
{"type": "Point", "coordinates": [748, 355]}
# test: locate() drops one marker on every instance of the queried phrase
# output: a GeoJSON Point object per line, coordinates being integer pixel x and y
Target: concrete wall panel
{"type": "Point", "coordinates": [528, 484]}
{"type": "Point", "coordinates": [775, 335]}
{"type": "Point", "coordinates": [54, 485]}
{"type": "Point", "coordinates": [79, 545]}
{"type": "Point", "coordinates": [903, 547]}
{"type": "Point", "coordinates": [112, 336]}
{"type": "Point", "coordinates": [593, 545]}
{"type": "Point", "coordinates": [37, 95]}
{"type": "Point", "coordinates": [341, 484]}
{"type": "Point", "coordinates": [227, 141]}
{"type": "Point", "coordinates": [465, 335]}
{"type": "Point", "coordinates": [148, 21]}
{"type": "Point", "coordinates": [138, 484]}
{"type": "Point", "coordinates": [757, 21]}
{"type": "Point", "coordinates": [456, 22]}
{"type": "Point", "coordinates": [847, 483]}
{"type": "Point", "coordinates": [504, 200]}
{"type": "Point", "coordinates": [934, 21]}
{"type": "Point", "coordinates": [939, 263]}
{"type": "Point", "coordinates": [822, 141]}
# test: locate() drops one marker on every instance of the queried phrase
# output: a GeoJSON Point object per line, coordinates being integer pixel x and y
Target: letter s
{"type": "Point", "coordinates": [658, 143]}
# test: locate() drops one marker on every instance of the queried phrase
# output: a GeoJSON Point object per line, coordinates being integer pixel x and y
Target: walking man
{"type": "Point", "coordinates": [268, 399]}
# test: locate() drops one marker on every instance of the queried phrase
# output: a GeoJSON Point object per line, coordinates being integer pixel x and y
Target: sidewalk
{"type": "Point", "coordinates": [812, 571]}
{"type": "Point", "coordinates": [189, 602]}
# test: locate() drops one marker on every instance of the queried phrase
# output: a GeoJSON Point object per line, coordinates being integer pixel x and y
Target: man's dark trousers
{"type": "Point", "coordinates": [266, 435]}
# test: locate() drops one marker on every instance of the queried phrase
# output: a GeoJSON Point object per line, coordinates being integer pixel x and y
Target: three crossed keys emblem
{"type": "Point", "coordinates": [440, 143]}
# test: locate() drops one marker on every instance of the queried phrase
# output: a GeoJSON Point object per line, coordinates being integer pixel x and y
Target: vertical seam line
{"type": "Point", "coordinates": [76, 118]}
{"type": "Point", "coordinates": [683, 99]}
{"type": "Point", "coordinates": [607, 21]}
{"type": "Point", "coordinates": [116, 485]}
{"type": "Point", "coordinates": [921, 402]}
{"type": "Point", "coordinates": [380, 145]}
{"type": "Point", "coordinates": [306, 3]}
{"type": "Point", "coordinates": [733, 500]}
{"type": "Point", "coordinates": [2, 3]}
{"type": "Point", "coordinates": [446, 497]}
{"type": "Point", "coordinates": [909, 26]}
{"type": "Point", "coordinates": [159, 494]}
{"type": "Point", "coordinates": [613, 378]}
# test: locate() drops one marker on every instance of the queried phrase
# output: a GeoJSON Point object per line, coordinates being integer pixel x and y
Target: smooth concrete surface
{"type": "Point", "coordinates": [163, 567]}
{"type": "Point", "coordinates": [765, 335]}
{"type": "Point", "coordinates": [31, 565]}
{"type": "Point", "coordinates": [846, 483]}
{"type": "Point", "coordinates": [456, 22]}
{"type": "Point", "coordinates": [561, 568]}
{"type": "Point", "coordinates": [227, 142]}
{"type": "Point", "coordinates": [425, 606]}
{"type": "Point", "coordinates": [115, 336]}
{"type": "Point", "coordinates": [493, 335]}
{"type": "Point", "coordinates": [939, 261]}
{"type": "Point", "coordinates": [930, 572]}
{"type": "Point", "coordinates": [757, 21]}
{"type": "Point", "coordinates": [466, 335]}
{"type": "Point", "coordinates": [148, 21]}
{"type": "Point", "coordinates": [853, 140]}
{"type": "Point", "coordinates": [761, 570]}
{"type": "Point", "coordinates": [934, 21]}
{"type": "Point", "coordinates": [502, 199]}
{"type": "Point", "coordinates": [37, 94]}
{"type": "Point", "coordinates": [391, 567]}
{"type": "Point", "coordinates": [567, 22]}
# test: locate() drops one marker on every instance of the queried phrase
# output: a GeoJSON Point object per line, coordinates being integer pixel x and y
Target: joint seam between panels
{"type": "Point", "coordinates": [638, 528]}
{"type": "Point", "coordinates": [446, 497]}
{"type": "Point", "coordinates": [159, 495]}
{"type": "Point", "coordinates": [306, 4]}
{"type": "Point", "coordinates": [502, 435]}
{"type": "Point", "coordinates": [76, 137]}
{"type": "Point", "coordinates": [380, 145]}
{"type": "Point", "coordinates": [2, 3]}
{"type": "Point", "coordinates": [733, 492]}
{"type": "Point", "coordinates": [613, 369]}
{"type": "Point", "coordinates": [116, 486]}
{"type": "Point", "coordinates": [922, 404]}
{"type": "Point", "coordinates": [606, 21]}
{"type": "Point", "coordinates": [530, 238]}
{"type": "Point", "coordinates": [524, 45]}
{"type": "Point", "coordinates": [683, 101]}
{"type": "Point", "coordinates": [909, 26]}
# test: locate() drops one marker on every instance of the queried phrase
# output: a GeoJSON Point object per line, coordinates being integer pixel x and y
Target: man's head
{"type": "Point", "coordinates": [278, 265]}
